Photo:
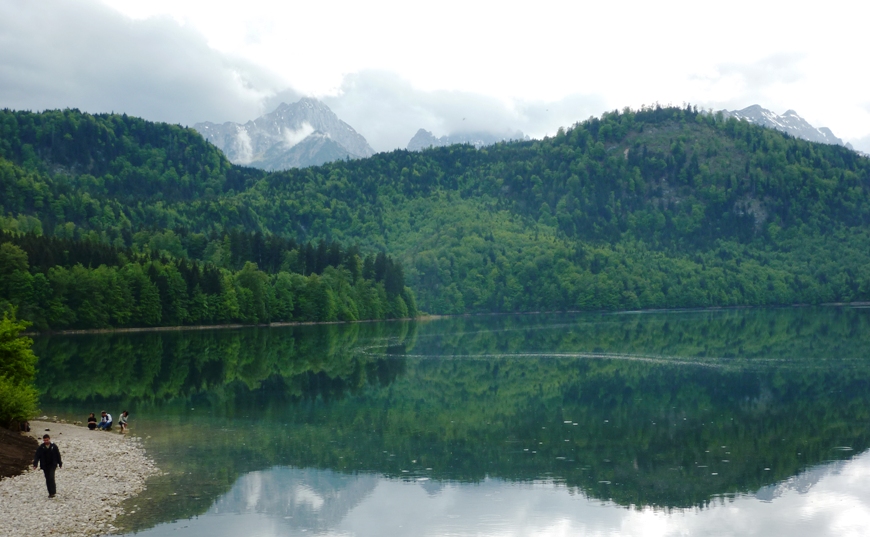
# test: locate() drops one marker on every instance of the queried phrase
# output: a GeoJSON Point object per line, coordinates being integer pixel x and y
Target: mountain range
{"type": "Point", "coordinates": [308, 133]}
{"type": "Point", "coordinates": [305, 133]}
{"type": "Point", "coordinates": [789, 122]}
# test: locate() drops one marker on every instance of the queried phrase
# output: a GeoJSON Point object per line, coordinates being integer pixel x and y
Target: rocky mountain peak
{"type": "Point", "coordinates": [270, 141]}
{"type": "Point", "coordinates": [790, 122]}
{"type": "Point", "coordinates": [422, 140]}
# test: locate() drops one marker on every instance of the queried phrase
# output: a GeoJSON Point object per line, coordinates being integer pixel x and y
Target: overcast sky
{"type": "Point", "coordinates": [389, 68]}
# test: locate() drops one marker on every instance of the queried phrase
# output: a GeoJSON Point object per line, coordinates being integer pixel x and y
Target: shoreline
{"type": "Point", "coordinates": [100, 471]}
{"type": "Point", "coordinates": [133, 330]}
{"type": "Point", "coordinates": [421, 318]}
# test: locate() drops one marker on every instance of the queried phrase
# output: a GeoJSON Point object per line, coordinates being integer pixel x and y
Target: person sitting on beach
{"type": "Point", "coordinates": [123, 422]}
{"type": "Point", "coordinates": [92, 422]}
{"type": "Point", "coordinates": [105, 421]}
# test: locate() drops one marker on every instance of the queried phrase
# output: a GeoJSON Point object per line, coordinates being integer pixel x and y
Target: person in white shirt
{"type": "Point", "coordinates": [105, 421]}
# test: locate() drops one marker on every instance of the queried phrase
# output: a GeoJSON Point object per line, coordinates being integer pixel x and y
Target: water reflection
{"type": "Point", "coordinates": [155, 368]}
{"type": "Point", "coordinates": [831, 499]}
{"type": "Point", "coordinates": [661, 415]}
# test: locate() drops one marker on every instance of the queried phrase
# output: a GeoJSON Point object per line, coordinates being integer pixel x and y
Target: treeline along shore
{"type": "Point", "coordinates": [69, 284]}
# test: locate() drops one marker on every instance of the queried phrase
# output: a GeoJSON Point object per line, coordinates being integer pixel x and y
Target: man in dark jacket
{"type": "Point", "coordinates": [48, 456]}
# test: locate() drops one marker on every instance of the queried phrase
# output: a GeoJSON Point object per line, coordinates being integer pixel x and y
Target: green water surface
{"type": "Point", "coordinates": [660, 412]}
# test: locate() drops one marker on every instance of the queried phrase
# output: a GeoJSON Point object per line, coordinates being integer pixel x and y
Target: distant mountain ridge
{"type": "Point", "coordinates": [425, 139]}
{"type": "Point", "coordinates": [789, 122]}
{"type": "Point", "coordinates": [305, 133]}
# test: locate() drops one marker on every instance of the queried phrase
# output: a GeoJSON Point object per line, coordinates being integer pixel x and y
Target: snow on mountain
{"type": "Point", "coordinates": [305, 133]}
{"type": "Point", "coordinates": [790, 122]}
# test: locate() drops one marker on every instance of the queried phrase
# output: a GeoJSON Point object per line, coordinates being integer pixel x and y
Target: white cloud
{"type": "Point", "coordinates": [388, 110]}
{"type": "Point", "coordinates": [82, 55]}
{"type": "Point", "coordinates": [861, 144]}
{"type": "Point", "coordinates": [243, 147]}
{"type": "Point", "coordinates": [293, 137]}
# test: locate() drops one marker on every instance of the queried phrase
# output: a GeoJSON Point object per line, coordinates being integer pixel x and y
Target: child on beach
{"type": "Point", "coordinates": [123, 422]}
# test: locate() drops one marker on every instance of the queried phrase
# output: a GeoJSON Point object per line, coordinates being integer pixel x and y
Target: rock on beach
{"type": "Point", "coordinates": [100, 470]}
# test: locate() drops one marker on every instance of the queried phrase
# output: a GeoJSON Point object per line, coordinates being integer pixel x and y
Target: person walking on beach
{"type": "Point", "coordinates": [48, 457]}
{"type": "Point", "coordinates": [105, 421]}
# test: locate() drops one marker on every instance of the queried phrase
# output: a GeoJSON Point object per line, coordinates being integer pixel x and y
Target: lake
{"type": "Point", "coordinates": [721, 422]}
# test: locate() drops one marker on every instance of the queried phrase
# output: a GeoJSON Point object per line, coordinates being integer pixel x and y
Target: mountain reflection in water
{"type": "Point", "coordinates": [606, 422]}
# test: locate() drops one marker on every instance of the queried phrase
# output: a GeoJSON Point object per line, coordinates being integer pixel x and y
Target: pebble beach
{"type": "Point", "coordinates": [100, 470]}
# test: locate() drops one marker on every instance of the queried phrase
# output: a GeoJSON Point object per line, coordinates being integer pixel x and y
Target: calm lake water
{"type": "Point", "coordinates": [726, 422]}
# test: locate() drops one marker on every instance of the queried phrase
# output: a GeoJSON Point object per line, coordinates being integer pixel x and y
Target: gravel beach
{"type": "Point", "coordinates": [100, 470]}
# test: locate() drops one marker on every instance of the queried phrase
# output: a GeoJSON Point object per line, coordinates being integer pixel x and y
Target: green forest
{"type": "Point", "coordinates": [63, 283]}
{"type": "Point", "coordinates": [651, 208]}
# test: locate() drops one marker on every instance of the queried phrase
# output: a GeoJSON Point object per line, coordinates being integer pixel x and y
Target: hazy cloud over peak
{"type": "Point", "coordinates": [84, 55]}
{"type": "Point", "coordinates": [782, 68]}
{"type": "Point", "coordinates": [861, 144]}
{"type": "Point", "coordinates": [188, 62]}
{"type": "Point", "coordinates": [388, 110]}
{"type": "Point", "coordinates": [88, 56]}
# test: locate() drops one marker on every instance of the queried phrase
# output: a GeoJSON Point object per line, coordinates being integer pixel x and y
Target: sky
{"type": "Point", "coordinates": [389, 68]}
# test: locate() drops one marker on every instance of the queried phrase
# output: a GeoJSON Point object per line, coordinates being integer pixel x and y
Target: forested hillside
{"type": "Point", "coordinates": [662, 207]}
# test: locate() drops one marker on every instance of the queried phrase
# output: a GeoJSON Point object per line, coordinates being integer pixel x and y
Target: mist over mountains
{"type": "Point", "coordinates": [308, 133]}
{"type": "Point", "coordinates": [305, 133]}
{"type": "Point", "coordinates": [425, 139]}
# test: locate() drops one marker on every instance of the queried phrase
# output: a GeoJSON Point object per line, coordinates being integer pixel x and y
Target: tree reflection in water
{"type": "Point", "coordinates": [663, 409]}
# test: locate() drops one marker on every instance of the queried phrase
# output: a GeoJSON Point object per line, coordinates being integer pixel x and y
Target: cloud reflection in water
{"type": "Point", "coordinates": [830, 499]}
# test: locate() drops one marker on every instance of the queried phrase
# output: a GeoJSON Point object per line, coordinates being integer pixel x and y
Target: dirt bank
{"type": "Point", "coordinates": [16, 452]}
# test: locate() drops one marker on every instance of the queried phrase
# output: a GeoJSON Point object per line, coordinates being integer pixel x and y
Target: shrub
{"type": "Point", "coordinates": [18, 396]}
{"type": "Point", "coordinates": [18, 402]}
